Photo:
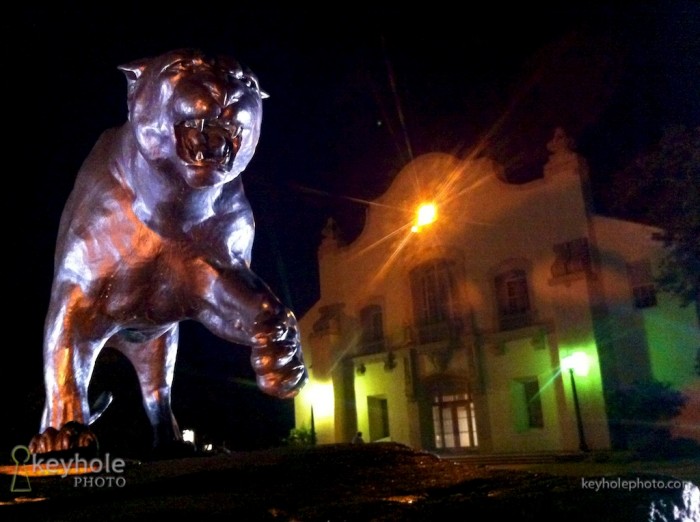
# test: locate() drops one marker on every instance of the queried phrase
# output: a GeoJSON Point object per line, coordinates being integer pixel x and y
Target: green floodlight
{"type": "Point", "coordinates": [578, 362]}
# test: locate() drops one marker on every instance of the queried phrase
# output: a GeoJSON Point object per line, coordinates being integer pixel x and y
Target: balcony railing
{"type": "Point", "coordinates": [438, 331]}
{"type": "Point", "coordinates": [372, 346]}
{"type": "Point", "coordinates": [515, 321]}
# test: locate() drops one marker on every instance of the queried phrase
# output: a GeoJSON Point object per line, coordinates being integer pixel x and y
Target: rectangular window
{"type": "Point", "coordinates": [535, 419]}
{"type": "Point", "coordinates": [378, 413]}
{"type": "Point", "coordinates": [642, 284]}
{"type": "Point", "coordinates": [527, 404]}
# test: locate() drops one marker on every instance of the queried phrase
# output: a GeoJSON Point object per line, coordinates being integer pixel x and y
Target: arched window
{"type": "Point", "coordinates": [372, 323]}
{"type": "Point", "coordinates": [434, 300]}
{"type": "Point", "coordinates": [513, 297]}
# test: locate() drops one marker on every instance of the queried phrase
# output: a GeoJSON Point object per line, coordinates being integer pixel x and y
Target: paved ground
{"type": "Point", "coordinates": [370, 482]}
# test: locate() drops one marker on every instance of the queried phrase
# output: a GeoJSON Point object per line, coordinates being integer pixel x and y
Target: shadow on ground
{"type": "Point", "coordinates": [344, 482]}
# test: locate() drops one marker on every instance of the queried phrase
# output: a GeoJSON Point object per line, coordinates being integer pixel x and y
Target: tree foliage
{"type": "Point", "coordinates": [301, 436]}
{"type": "Point", "coordinates": [643, 409]}
{"type": "Point", "coordinates": [662, 188]}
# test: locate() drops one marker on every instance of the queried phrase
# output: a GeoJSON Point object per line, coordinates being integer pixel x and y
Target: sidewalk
{"type": "Point", "coordinates": [594, 464]}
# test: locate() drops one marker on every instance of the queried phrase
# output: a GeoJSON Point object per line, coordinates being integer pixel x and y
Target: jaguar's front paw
{"type": "Point", "coordinates": [72, 436]}
{"type": "Point", "coordinates": [277, 357]}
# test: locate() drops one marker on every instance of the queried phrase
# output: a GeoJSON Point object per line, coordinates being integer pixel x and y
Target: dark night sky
{"type": "Point", "coordinates": [354, 94]}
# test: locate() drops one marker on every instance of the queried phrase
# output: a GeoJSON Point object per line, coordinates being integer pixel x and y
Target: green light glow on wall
{"type": "Point", "coordinates": [578, 362]}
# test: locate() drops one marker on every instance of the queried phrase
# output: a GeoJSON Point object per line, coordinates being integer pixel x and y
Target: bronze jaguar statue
{"type": "Point", "coordinates": [158, 230]}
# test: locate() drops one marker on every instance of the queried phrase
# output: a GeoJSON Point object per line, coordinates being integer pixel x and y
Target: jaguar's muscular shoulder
{"type": "Point", "coordinates": [100, 180]}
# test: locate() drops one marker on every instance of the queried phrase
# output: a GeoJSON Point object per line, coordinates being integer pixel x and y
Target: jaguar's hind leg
{"type": "Point", "coordinates": [154, 362]}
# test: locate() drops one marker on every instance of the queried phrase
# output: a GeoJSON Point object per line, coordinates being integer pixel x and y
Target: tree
{"type": "Point", "coordinates": [643, 409]}
{"type": "Point", "coordinates": [662, 188]}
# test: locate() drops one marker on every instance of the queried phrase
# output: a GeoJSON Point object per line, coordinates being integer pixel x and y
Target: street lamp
{"type": "Point", "coordinates": [579, 364]}
{"type": "Point", "coordinates": [426, 214]}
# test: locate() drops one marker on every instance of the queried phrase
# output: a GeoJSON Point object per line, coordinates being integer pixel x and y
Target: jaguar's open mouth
{"type": "Point", "coordinates": [212, 143]}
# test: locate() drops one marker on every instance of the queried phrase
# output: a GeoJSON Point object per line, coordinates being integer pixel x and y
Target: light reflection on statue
{"type": "Point", "coordinates": [158, 230]}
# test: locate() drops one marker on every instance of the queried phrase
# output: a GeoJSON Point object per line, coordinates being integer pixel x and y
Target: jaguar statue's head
{"type": "Point", "coordinates": [194, 116]}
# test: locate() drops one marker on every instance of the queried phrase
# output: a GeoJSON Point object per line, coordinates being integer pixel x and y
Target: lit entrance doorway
{"type": "Point", "coordinates": [454, 421]}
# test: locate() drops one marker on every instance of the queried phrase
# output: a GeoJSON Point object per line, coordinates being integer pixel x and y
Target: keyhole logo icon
{"type": "Point", "coordinates": [23, 486]}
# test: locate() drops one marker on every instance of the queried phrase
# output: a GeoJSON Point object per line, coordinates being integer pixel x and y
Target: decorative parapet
{"type": "Point", "coordinates": [562, 157]}
{"type": "Point", "coordinates": [330, 236]}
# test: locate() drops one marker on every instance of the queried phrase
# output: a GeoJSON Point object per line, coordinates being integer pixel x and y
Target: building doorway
{"type": "Point", "coordinates": [454, 421]}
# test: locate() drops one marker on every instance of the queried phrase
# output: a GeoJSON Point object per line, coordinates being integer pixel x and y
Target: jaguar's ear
{"type": "Point", "coordinates": [133, 71]}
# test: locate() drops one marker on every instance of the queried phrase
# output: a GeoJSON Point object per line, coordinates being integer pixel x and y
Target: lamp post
{"type": "Point", "coordinates": [577, 362]}
{"type": "Point", "coordinates": [313, 428]}
{"type": "Point", "coordinates": [579, 422]}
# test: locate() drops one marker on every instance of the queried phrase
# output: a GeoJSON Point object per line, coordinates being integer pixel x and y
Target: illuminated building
{"type": "Point", "coordinates": [450, 333]}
